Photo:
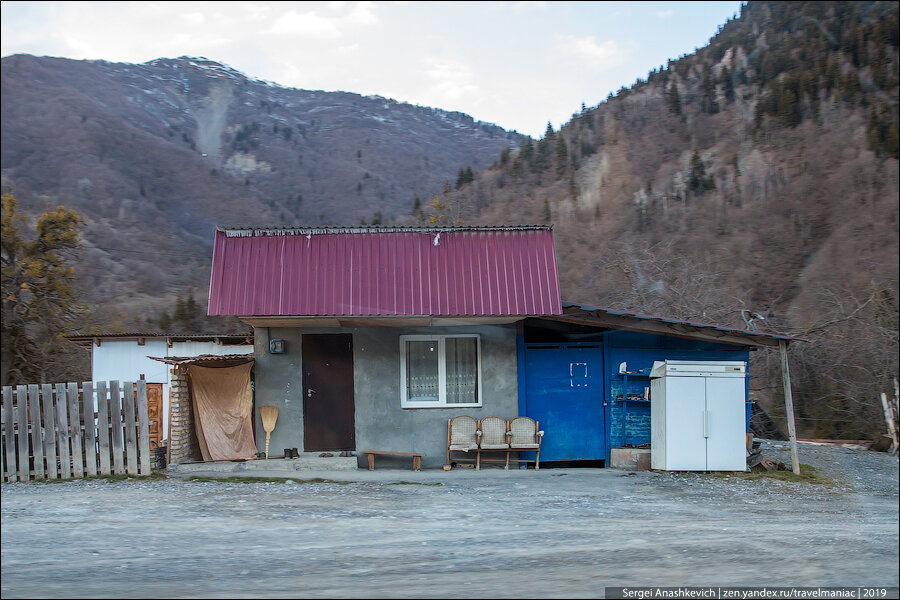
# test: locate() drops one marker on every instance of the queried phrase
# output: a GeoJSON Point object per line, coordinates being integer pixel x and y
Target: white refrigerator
{"type": "Point", "coordinates": [698, 415]}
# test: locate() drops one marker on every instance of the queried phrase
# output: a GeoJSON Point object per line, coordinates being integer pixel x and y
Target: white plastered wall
{"type": "Point", "coordinates": [126, 360]}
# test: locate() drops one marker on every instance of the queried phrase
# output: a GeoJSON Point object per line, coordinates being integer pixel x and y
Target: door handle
{"type": "Point", "coordinates": [310, 392]}
{"type": "Point", "coordinates": [706, 423]}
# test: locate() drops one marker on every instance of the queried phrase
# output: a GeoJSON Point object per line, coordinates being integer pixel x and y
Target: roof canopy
{"type": "Point", "coordinates": [385, 271]}
{"type": "Point", "coordinates": [596, 316]}
{"type": "Point", "coordinates": [228, 339]}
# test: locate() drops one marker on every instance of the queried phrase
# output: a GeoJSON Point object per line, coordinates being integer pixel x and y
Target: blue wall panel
{"type": "Point", "coordinates": [584, 419]}
{"type": "Point", "coordinates": [565, 392]}
{"type": "Point", "coordinates": [630, 421]}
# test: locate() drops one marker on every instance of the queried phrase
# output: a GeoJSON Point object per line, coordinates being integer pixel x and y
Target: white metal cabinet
{"type": "Point", "coordinates": [698, 416]}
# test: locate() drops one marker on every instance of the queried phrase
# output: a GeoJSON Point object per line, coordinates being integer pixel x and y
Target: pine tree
{"type": "Point", "coordinates": [698, 180]}
{"type": "Point", "coordinates": [504, 156]}
{"type": "Point", "coordinates": [562, 155]}
{"type": "Point", "coordinates": [165, 322]}
{"type": "Point", "coordinates": [544, 148]}
{"type": "Point", "coordinates": [673, 100]}
{"type": "Point", "coordinates": [180, 317]}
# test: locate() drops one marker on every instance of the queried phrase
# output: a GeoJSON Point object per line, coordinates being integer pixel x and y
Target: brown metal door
{"type": "Point", "coordinates": [328, 408]}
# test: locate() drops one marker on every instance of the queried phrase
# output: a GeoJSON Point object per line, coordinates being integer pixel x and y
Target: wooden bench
{"type": "Point", "coordinates": [417, 457]}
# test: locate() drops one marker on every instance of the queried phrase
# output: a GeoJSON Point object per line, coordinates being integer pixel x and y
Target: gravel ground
{"type": "Point", "coordinates": [493, 533]}
{"type": "Point", "coordinates": [849, 468]}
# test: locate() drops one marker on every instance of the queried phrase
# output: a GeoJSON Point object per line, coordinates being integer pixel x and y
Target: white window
{"type": "Point", "coordinates": [440, 371]}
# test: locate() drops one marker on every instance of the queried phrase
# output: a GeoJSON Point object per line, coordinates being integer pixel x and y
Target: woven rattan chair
{"type": "Point", "coordinates": [494, 436]}
{"type": "Point", "coordinates": [462, 436]}
{"type": "Point", "coordinates": [524, 435]}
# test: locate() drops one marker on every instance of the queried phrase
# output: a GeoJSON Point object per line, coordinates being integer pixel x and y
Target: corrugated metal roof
{"type": "Point", "coordinates": [385, 271]}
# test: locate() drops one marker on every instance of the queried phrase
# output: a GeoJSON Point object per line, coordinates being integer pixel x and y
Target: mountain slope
{"type": "Point", "coordinates": [154, 155]}
{"type": "Point", "coordinates": [753, 183]}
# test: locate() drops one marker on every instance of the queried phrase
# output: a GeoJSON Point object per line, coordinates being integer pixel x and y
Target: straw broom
{"type": "Point", "coordinates": [269, 415]}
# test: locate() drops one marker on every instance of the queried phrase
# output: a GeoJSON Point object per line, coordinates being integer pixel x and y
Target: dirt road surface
{"type": "Point", "coordinates": [493, 533]}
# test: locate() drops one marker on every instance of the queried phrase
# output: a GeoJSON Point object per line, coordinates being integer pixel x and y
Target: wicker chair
{"type": "Point", "coordinates": [524, 435]}
{"type": "Point", "coordinates": [494, 436]}
{"type": "Point", "coordinates": [462, 436]}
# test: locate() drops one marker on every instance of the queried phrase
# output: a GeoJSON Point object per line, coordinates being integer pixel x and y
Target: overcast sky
{"type": "Point", "coordinates": [517, 64]}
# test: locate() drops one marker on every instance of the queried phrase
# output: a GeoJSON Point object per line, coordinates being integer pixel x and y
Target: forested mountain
{"type": "Point", "coordinates": [753, 183]}
{"type": "Point", "coordinates": [152, 156]}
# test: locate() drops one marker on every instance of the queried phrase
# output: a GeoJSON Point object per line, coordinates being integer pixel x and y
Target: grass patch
{"type": "Point", "coordinates": [807, 475]}
{"type": "Point", "coordinates": [415, 483]}
{"type": "Point", "coordinates": [108, 478]}
{"type": "Point", "coordinates": [246, 479]}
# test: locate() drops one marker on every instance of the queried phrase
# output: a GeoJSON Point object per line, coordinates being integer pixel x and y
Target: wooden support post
{"type": "Point", "coordinates": [889, 421]}
{"type": "Point", "coordinates": [789, 406]}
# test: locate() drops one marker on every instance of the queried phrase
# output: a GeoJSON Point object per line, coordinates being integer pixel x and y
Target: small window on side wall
{"type": "Point", "coordinates": [440, 371]}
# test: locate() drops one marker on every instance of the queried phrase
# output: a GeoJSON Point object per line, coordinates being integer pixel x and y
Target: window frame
{"type": "Point", "coordinates": [442, 371]}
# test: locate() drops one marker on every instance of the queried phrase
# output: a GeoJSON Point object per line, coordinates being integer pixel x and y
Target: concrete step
{"type": "Point", "coordinates": [308, 461]}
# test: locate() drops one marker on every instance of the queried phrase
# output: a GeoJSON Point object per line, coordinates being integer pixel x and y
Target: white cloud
{"type": "Point", "coordinates": [364, 14]}
{"type": "Point", "coordinates": [306, 24]}
{"type": "Point", "coordinates": [348, 49]}
{"type": "Point", "coordinates": [194, 18]}
{"type": "Point", "coordinates": [530, 5]}
{"type": "Point", "coordinates": [664, 14]}
{"type": "Point", "coordinates": [600, 55]}
{"type": "Point", "coordinates": [451, 79]}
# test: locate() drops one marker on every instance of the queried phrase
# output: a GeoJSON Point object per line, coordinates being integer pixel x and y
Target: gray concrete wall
{"type": "Point", "coordinates": [380, 422]}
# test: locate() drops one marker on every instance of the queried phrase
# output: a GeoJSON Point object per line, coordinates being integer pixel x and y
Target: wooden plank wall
{"type": "Point", "coordinates": [65, 431]}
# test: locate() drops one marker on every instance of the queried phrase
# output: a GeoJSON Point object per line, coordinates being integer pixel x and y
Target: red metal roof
{"type": "Point", "coordinates": [387, 271]}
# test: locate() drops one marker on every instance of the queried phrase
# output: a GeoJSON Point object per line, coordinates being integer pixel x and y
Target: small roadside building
{"type": "Point", "coordinates": [128, 357]}
{"type": "Point", "coordinates": [373, 337]}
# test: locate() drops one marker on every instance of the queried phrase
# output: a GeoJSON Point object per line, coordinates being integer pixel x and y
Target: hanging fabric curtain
{"type": "Point", "coordinates": [223, 406]}
{"type": "Point", "coordinates": [462, 370]}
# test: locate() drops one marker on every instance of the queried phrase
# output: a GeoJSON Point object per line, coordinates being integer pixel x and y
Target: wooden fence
{"type": "Point", "coordinates": [64, 431]}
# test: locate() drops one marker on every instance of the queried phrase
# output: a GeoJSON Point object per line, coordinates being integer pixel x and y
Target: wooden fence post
{"type": "Point", "coordinates": [62, 432]}
{"type": "Point", "coordinates": [143, 427]}
{"type": "Point", "coordinates": [128, 393]}
{"type": "Point", "coordinates": [50, 430]}
{"type": "Point", "coordinates": [37, 444]}
{"type": "Point", "coordinates": [22, 419]}
{"type": "Point", "coordinates": [103, 427]}
{"type": "Point", "coordinates": [90, 431]}
{"type": "Point", "coordinates": [9, 430]}
{"type": "Point", "coordinates": [75, 420]}
{"type": "Point", "coordinates": [115, 414]}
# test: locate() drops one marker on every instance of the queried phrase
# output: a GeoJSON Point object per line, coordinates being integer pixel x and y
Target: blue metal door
{"type": "Point", "coordinates": [564, 391]}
